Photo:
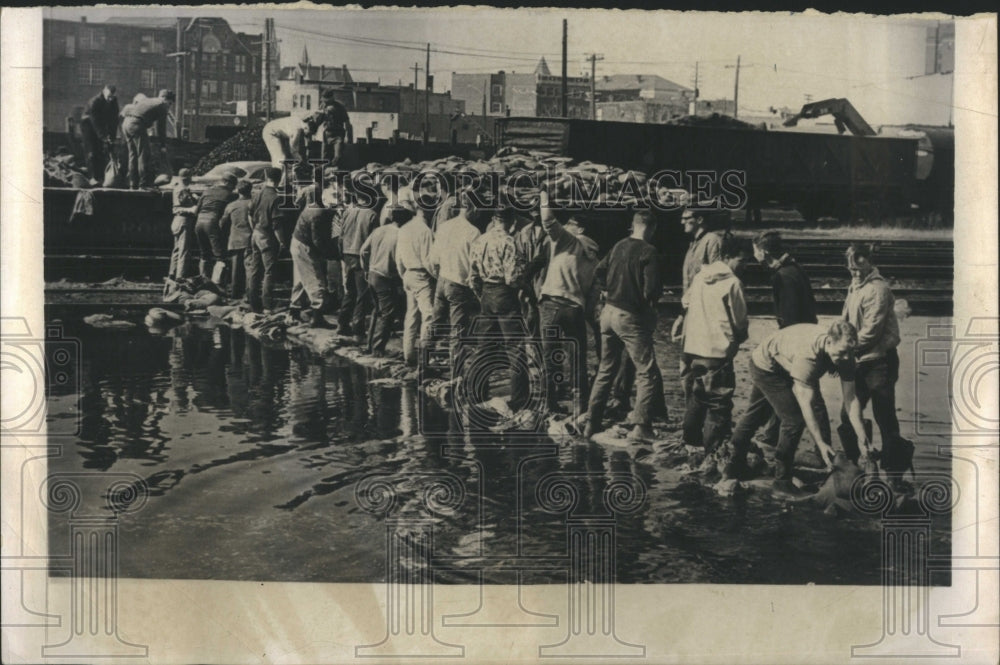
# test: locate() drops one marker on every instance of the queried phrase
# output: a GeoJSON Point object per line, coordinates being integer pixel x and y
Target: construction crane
{"type": "Point", "coordinates": [845, 116]}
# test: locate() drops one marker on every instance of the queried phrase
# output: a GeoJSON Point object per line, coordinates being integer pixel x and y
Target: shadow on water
{"type": "Point", "coordinates": [254, 455]}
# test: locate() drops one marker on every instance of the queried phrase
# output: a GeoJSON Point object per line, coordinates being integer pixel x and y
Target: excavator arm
{"type": "Point", "coordinates": [845, 116]}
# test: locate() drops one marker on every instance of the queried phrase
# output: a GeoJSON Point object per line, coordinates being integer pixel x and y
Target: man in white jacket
{"type": "Point", "coordinates": [716, 326]}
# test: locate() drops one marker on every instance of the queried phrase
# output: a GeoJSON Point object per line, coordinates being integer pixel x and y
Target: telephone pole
{"type": "Point", "coordinates": [268, 42]}
{"type": "Point", "coordinates": [427, 96]}
{"type": "Point", "coordinates": [416, 69]}
{"type": "Point", "coordinates": [736, 91]}
{"type": "Point", "coordinates": [565, 83]}
{"type": "Point", "coordinates": [594, 57]}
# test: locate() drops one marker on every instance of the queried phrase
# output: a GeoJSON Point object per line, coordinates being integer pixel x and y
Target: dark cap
{"type": "Point", "coordinates": [273, 174]}
{"type": "Point", "coordinates": [229, 180]}
{"type": "Point", "coordinates": [401, 214]}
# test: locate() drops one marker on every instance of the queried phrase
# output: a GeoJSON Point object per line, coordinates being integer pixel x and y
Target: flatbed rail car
{"type": "Point", "coordinates": [821, 174]}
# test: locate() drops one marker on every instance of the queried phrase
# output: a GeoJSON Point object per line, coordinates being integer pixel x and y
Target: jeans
{"type": "Point", "coordinates": [624, 330]}
{"type": "Point", "coordinates": [137, 141]}
{"type": "Point", "coordinates": [709, 384]}
{"type": "Point", "coordinates": [210, 243]}
{"type": "Point", "coordinates": [570, 320]}
{"type": "Point", "coordinates": [383, 294]}
{"type": "Point", "coordinates": [238, 272]}
{"type": "Point", "coordinates": [419, 287]}
{"type": "Point", "coordinates": [182, 229]}
{"type": "Point", "coordinates": [261, 262]}
{"type": "Point", "coordinates": [308, 277]}
{"type": "Point", "coordinates": [772, 393]}
{"type": "Point", "coordinates": [356, 305]}
{"type": "Point", "coordinates": [500, 301]}
{"type": "Point", "coordinates": [874, 380]}
{"type": "Point", "coordinates": [336, 146]}
{"type": "Point", "coordinates": [455, 305]}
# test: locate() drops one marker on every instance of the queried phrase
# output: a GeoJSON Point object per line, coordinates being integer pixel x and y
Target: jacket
{"type": "Point", "coordinates": [495, 258]}
{"type": "Point", "coordinates": [314, 228]}
{"type": "Point", "coordinates": [716, 321]}
{"type": "Point", "coordinates": [356, 224]}
{"type": "Point", "coordinates": [869, 307]}
{"type": "Point", "coordinates": [267, 219]}
{"type": "Point", "coordinates": [793, 296]}
{"type": "Point", "coordinates": [704, 249]}
{"type": "Point", "coordinates": [235, 223]}
{"type": "Point", "coordinates": [572, 264]}
{"type": "Point", "coordinates": [378, 254]}
{"type": "Point", "coordinates": [451, 252]}
{"type": "Point", "coordinates": [103, 115]}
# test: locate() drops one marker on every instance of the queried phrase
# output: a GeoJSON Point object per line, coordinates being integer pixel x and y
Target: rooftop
{"type": "Point", "coordinates": [637, 82]}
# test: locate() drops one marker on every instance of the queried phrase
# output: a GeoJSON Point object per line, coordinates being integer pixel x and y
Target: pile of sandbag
{"type": "Point", "coordinates": [62, 170]}
{"type": "Point", "coordinates": [247, 145]}
{"type": "Point", "coordinates": [522, 174]}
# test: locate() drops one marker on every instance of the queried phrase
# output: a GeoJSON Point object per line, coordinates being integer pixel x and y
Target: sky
{"type": "Point", "coordinates": [785, 59]}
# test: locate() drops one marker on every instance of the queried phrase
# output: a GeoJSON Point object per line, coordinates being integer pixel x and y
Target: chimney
{"type": "Point", "coordinates": [83, 19]}
{"type": "Point", "coordinates": [322, 72]}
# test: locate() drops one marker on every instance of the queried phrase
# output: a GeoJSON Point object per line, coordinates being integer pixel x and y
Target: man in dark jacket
{"type": "Point", "coordinates": [99, 127]}
{"type": "Point", "coordinates": [235, 225]}
{"type": "Point", "coordinates": [312, 245]}
{"type": "Point", "coordinates": [793, 296]}
{"type": "Point", "coordinates": [267, 241]}
{"type": "Point", "coordinates": [631, 277]}
{"type": "Point", "coordinates": [338, 125]}
{"type": "Point", "coordinates": [356, 223]}
{"type": "Point", "coordinates": [793, 303]}
{"type": "Point", "coordinates": [207, 229]}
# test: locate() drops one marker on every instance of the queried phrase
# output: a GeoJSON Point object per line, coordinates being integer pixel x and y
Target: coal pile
{"type": "Point", "coordinates": [248, 145]}
{"type": "Point", "coordinates": [715, 121]}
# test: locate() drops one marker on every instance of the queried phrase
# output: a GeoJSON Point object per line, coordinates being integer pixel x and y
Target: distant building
{"type": "Point", "coordinates": [634, 87]}
{"type": "Point", "coordinates": [641, 110]}
{"type": "Point", "coordinates": [536, 94]}
{"type": "Point", "coordinates": [220, 78]}
{"type": "Point", "coordinates": [384, 110]}
{"type": "Point", "coordinates": [710, 106]}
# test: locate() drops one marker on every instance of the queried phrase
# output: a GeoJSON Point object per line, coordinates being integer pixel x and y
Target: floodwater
{"type": "Point", "coordinates": [257, 459]}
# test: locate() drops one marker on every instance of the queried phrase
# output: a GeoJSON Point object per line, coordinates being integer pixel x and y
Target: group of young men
{"type": "Point", "coordinates": [445, 257]}
{"type": "Point", "coordinates": [99, 128]}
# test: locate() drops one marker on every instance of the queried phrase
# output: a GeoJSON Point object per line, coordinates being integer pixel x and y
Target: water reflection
{"type": "Point", "coordinates": [259, 449]}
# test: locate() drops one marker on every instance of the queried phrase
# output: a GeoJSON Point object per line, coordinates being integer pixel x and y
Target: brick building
{"type": "Point", "coordinates": [537, 94]}
{"type": "Point", "coordinates": [221, 75]}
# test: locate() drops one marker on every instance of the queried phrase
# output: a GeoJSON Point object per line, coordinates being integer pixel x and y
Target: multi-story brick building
{"type": "Point", "coordinates": [220, 78]}
{"type": "Point", "coordinates": [509, 93]}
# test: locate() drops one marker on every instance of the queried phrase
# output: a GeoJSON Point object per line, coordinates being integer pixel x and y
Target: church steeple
{"type": "Point", "coordinates": [542, 69]}
{"type": "Point", "coordinates": [304, 60]}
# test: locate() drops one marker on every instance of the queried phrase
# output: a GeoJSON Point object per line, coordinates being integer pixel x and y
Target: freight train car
{"type": "Point", "coordinates": [841, 176]}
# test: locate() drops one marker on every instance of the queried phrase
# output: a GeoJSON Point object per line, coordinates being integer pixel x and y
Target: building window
{"type": "Point", "coordinates": [497, 90]}
{"type": "Point", "coordinates": [91, 39]}
{"type": "Point", "coordinates": [239, 91]}
{"type": "Point", "coordinates": [309, 99]}
{"type": "Point", "coordinates": [209, 88]}
{"type": "Point", "coordinates": [495, 107]}
{"type": "Point", "coordinates": [91, 74]}
{"type": "Point", "coordinates": [192, 86]}
{"type": "Point", "coordinates": [241, 64]}
{"type": "Point", "coordinates": [70, 46]}
{"type": "Point", "coordinates": [147, 79]}
{"type": "Point", "coordinates": [149, 44]}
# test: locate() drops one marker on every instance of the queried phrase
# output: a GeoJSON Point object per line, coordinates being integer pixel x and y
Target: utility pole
{"type": "Point", "coordinates": [694, 108]}
{"type": "Point", "coordinates": [565, 83]}
{"type": "Point", "coordinates": [268, 38]}
{"type": "Point", "coordinates": [594, 57]}
{"type": "Point", "coordinates": [427, 96]}
{"type": "Point", "coordinates": [179, 86]}
{"type": "Point", "coordinates": [416, 68]}
{"type": "Point", "coordinates": [736, 91]}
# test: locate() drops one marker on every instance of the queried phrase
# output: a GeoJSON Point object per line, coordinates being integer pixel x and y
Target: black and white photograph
{"type": "Point", "coordinates": [541, 327]}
